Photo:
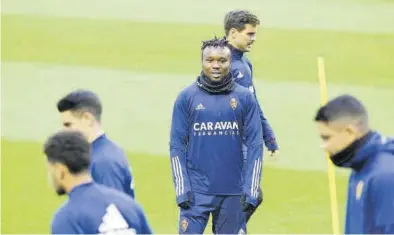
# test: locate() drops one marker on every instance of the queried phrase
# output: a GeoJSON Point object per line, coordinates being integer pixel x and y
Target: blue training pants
{"type": "Point", "coordinates": [227, 215]}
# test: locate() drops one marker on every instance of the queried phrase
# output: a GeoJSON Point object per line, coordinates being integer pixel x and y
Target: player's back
{"type": "Point", "coordinates": [214, 155]}
{"type": "Point", "coordinates": [110, 166]}
{"type": "Point", "coordinates": [373, 161]}
{"type": "Point", "coordinates": [241, 69]}
{"type": "Point", "coordinates": [94, 208]}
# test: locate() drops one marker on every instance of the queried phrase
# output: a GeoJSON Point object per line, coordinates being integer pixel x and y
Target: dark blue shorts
{"type": "Point", "coordinates": [226, 211]}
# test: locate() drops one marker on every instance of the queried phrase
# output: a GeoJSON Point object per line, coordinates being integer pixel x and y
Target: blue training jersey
{"type": "Point", "coordinates": [207, 134]}
{"type": "Point", "coordinates": [110, 167]}
{"type": "Point", "coordinates": [97, 209]}
{"type": "Point", "coordinates": [242, 70]}
{"type": "Point", "coordinates": [370, 203]}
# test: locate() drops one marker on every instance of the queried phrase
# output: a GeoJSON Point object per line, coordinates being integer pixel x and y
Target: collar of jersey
{"type": "Point", "coordinates": [78, 188]}
{"type": "Point", "coordinates": [98, 140]}
{"type": "Point", "coordinates": [235, 53]}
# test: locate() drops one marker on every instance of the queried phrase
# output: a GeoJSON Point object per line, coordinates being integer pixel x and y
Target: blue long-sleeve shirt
{"type": "Point", "coordinates": [93, 208]}
{"type": "Point", "coordinates": [242, 70]}
{"type": "Point", "coordinates": [207, 134]}
{"type": "Point", "coordinates": [110, 166]}
{"type": "Point", "coordinates": [370, 202]}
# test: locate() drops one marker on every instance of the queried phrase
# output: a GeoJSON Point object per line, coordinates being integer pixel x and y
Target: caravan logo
{"type": "Point", "coordinates": [215, 128]}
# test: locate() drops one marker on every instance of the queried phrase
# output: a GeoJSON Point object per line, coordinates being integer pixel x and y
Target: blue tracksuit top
{"type": "Point", "coordinates": [242, 70]}
{"type": "Point", "coordinates": [207, 134]}
{"type": "Point", "coordinates": [370, 202]}
{"type": "Point", "coordinates": [110, 166]}
{"type": "Point", "coordinates": [97, 209]}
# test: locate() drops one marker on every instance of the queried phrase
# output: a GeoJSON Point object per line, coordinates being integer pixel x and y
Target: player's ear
{"type": "Point", "coordinates": [232, 33]}
{"type": "Point", "coordinates": [351, 130]}
{"type": "Point", "coordinates": [60, 170]}
{"type": "Point", "coordinates": [88, 117]}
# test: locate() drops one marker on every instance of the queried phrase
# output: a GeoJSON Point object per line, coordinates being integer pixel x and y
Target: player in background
{"type": "Point", "coordinates": [81, 110]}
{"type": "Point", "coordinates": [240, 29]}
{"type": "Point", "coordinates": [212, 119]}
{"type": "Point", "coordinates": [351, 143]}
{"type": "Point", "coordinates": [91, 208]}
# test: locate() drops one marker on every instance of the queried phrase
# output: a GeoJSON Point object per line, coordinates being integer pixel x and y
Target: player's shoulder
{"type": "Point", "coordinates": [241, 90]}
{"type": "Point", "coordinates": [188, 91]}
{"type": "Point", "coordinates": [121, 198]}
{"type": "Point", "coordinates": [109, 151]}
{"type": "Point", "coordinates": [243, 93]}
{"type": "Point", "coordinates": [64, 213]}
{"type": "Point", "coordinates": [382, 149]}
{"type": "Point", "coordinates": [237, 67]}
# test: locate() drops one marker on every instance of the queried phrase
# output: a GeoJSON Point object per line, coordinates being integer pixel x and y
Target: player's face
{"type": "Point", "coordinates": [56, 176]}
{"type": "Point", "coordinates": [336, 136]}
{"type": "Point", "coordinates": [216, 62]}
{"type": "Point", "coordinates": [77, 121]}
{"type": "Point", "coordinates": [243, 40]}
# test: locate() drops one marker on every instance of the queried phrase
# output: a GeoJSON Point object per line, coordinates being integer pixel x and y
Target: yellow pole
{"type": "Point", "coordinates": [331, 169]}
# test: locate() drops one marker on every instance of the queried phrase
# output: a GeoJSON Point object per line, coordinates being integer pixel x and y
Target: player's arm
{"type": "Point", "coordinates": [61, 224]}
{"type": "Point", "coordinates": [145, 227]}
{"type": "Point", "coordinates": [112, 175]}
{"type": "Point", "coordinates": [381, 199]}
{"type": "Point", "coordinates": [178, 150]}
{"type": "Point", "coordinates": [268, 133]}
{"type": "Point", "coordinates": [254, 142]}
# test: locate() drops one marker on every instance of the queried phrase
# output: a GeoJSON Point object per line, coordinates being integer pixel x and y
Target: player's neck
{"type": "Point", "coordinates": [232, 44]}
{"type": "Point", "coordinates": [77, 180]}
{"type": "Point", "coordinates": [97, 132]}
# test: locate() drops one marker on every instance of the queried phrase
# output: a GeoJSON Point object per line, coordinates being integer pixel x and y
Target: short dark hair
{"type": "Point", "coordinates": [238, 19]}
{"type": "Point", "coordinates": [344, 106]}
{"type": "Point", "coordinates": [70, 148]}
{"type": "Point", "coordinates": [215, 42]}
{"type": "Point", "coordinates": [80, 101]}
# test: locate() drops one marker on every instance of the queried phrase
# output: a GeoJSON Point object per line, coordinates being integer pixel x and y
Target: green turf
{"type": "Point", "coordinates": [351, 58]}
{"type": "Point", "coordinates": [147, 115]}
{"type": "Point", "coordinates": [296, 201]}
{"type": "Point", "coordinates": [159, 59]}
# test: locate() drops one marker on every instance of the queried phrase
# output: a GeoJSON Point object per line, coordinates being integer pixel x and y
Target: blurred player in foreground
{"type": "Point", "coordinates": [92, 208]}
{"type": "Point", "coordinates": [344, 128]}
{"type": "Point", "coordinates": [240, 29]}
{"type": "Point", "coordinates": [81, 110]}
{"type": "Point", "coordinates": [211, 120]}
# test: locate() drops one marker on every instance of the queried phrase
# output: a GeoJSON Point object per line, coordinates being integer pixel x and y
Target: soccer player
{"type": "Point", "coordinates": [240, 29]}
{"type": "Point", "coordinates": [91, 208]}
{"type": "Point", "coordinates": [351, 143]}
{"type": "Point", "coordinates": [211, 120]}
{"type": "Point", "coordinates": [81, 110]}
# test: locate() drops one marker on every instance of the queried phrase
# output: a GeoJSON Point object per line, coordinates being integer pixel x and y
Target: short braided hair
{"type": "Point", "coordinates": [215, 42]}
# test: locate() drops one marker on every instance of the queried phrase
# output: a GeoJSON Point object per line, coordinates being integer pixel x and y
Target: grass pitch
{"type": "Point", "coordinates": [157, 60]}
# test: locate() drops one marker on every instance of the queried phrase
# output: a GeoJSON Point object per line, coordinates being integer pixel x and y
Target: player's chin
{"type": "Point", "coordinates": [60, 191]}
{"type": "Point", "coordinates": [216, 77]}
{"type": "Point", "coordinates": [248, 48]}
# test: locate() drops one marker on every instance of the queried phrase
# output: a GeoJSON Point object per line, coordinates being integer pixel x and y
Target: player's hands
{"type": "Point", "coordinates": [186, 204]}
{"type": "Point", "coordinates": [274, 154]}
{"type": "Point", "coordinates": [245, 205]}
{"type": "Point", "coordinates": [251, 210]}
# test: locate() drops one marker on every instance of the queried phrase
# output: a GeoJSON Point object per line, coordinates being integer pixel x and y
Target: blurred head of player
{"type": "Point", "coordinates": [240, 28]}
{"type": "Point", "coordinates": [81, 110]}
{"type": "Point", "coordinates": [216, 59]}
{"type": "Point", "coordinates": [68, 159]}
{"type": "Point", "coordinates": [342, 124]}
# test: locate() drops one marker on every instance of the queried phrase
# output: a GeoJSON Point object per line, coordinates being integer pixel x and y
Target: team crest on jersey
{"type": "Point", "coordinates": [233, 103]}
{"type": "Point", "coordinates": [359, 189]}
{"type": "Point", "coordinates": [184, 225]}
